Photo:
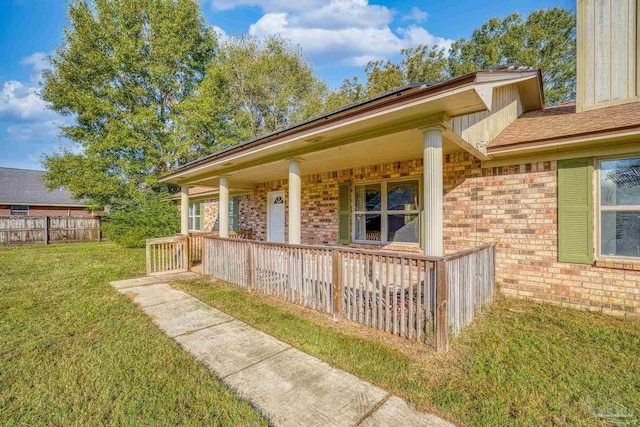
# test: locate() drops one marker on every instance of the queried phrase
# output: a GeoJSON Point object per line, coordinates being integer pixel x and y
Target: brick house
{"type": "Point", "coordinates": [24, 192]}
{"type": "Point", "coordinates": [438, 168]}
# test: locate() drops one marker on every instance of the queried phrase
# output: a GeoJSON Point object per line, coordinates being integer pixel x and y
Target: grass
{"type": "Point", "coordinates": [520, 363]}
{"type": "Point", "coordinates": [75, 352]}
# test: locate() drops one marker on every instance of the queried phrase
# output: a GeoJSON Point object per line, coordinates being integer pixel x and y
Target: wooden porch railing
{"type": "Point", "coordinates": [196, 242]}
{"type": "Point", "coordinates": [409, 295]}
{"type": "Point", "coordinates": [179, 253]}
{"type": "Point", "coordinates": [167, 255]}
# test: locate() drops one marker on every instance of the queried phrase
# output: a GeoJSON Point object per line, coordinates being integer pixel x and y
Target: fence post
{"type": "Point", "coordinates": [46, 230]}
{"type": "Point", "coordinates": [441, 315]}
{"type": "Point", "coordinates": [148, 258]}
{"type": "Point", "coordinates": [250, 276]}
{"type": "Point", "coordinates": [186, 263]}
{"type": "Point", "coordinates": [337, 285]}
{"type": "Point", "coordinates": [188, 251]}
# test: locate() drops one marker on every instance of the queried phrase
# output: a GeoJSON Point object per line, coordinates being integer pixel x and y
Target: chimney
{"type": "Point", "coordinates": [607, 56]}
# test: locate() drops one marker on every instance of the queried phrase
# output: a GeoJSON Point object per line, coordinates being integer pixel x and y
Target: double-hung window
{"type": "Point", "coordinates": [619, 207]}
{"type": "Point", "coordinates": [195, 216]}
{"type": "Point", "coordinates": [387, 212]}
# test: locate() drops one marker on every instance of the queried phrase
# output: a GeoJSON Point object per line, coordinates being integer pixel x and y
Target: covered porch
{"type": "Point", "coordinates": [347, 210]}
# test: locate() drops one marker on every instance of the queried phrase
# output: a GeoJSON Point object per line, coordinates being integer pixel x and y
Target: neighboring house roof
{"type": "Point", "coordinates": [562, 121]}
{"type": "Point", "coordinates": [27, 187]}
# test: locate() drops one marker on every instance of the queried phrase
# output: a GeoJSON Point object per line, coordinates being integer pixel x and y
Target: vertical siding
{"type": "Point", "coordinates": [607, 51]}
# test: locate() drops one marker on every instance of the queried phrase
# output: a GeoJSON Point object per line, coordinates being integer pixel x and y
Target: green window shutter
{"type": "Point", "coordinates": [344, 215]}
{"type": "Point", "coordinates": [575, 211]}
{"type": "Point", "coordinates": [235, 214]}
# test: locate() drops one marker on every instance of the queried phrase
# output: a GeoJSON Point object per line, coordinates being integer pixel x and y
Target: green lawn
{"type": "Point", "coordinates": [75, 352]}
{"type": "Point", "coordinates": [521, 363]}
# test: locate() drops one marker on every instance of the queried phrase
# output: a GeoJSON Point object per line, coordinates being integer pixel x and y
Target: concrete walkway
{"type": "Point", "coordinates": [289, 387]}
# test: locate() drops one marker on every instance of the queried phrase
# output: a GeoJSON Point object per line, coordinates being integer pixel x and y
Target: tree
{"type": "Point", "coordinates": [264, 86]}
{"type": "Point", "coordinates": [133, 221]}
{"type": "Point", "coordinates": [122, 73]}
{"type": "Point", "coordinates": [545, 40]}
{"type": "Point", "coordinates": [351, 91]}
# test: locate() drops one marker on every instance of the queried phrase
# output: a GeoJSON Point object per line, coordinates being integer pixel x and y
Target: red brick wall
{"type": "Point", "coordinates": [49, 211]}
{"type": "Point", "coordinates": [515, 206]}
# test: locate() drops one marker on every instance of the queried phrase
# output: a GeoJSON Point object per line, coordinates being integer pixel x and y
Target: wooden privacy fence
{"type": "Point", "coordinates": [48, 229]}
{"type": "Point", "coordinates": [408, 295]}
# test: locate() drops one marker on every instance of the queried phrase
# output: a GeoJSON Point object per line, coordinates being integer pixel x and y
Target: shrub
{"type": "Point", "coordinates": [137, 220]}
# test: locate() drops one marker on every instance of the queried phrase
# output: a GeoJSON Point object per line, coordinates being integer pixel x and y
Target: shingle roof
{"type": "Point", "coordinates": [562, 121]}
{"type": "Point", "coordinates": [23, 186]}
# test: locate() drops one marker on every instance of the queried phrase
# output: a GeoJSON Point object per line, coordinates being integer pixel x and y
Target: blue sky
{"type": "Point", "coordinates": [337, 36]}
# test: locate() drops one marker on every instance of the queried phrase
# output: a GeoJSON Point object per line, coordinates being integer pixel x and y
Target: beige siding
{"type": "Point", "coordinates": [480, 128]}
{"type": "Point", "coordinates": [607, 52]}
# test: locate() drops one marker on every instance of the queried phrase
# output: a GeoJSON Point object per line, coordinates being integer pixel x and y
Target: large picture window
{"type": "Point", "coordinates": [619, 208]}
{"type": "Point", "coordinates": [387, 212]}
{"type": "Point", "coordinates": [195, 216]}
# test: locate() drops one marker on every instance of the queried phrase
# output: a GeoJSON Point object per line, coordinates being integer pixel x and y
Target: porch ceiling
{"type": "Point", "coordinates": [401, 146]}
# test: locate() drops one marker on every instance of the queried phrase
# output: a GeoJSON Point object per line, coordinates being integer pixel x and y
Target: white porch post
{"type": "Point", "coordinates": [184, 209]}
{"type": "Point", "coordinates": [295, 194]}
{"type": "Point", "coordinates": [433, 191]}
{"type": "Point", "coordinates": [223, 207]}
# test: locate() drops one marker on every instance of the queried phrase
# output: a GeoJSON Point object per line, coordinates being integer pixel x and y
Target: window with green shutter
{"type": "Point", "coordinates": [344, 214]}
{"type": "Point", "coordinates": [575, 211]}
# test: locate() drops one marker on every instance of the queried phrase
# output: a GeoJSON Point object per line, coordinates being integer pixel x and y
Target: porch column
{"type": "Point", "coordinates": [433, 191]}
{"type": "Point", "coordinates": [295, 194]}
{"type": "Point", "coordinates": [223, 207]}
{"type": "Point", "coordinates": [184, 209]}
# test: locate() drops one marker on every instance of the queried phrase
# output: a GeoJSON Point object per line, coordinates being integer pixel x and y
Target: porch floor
{"type": "Point", "coordinates": [286, 385]}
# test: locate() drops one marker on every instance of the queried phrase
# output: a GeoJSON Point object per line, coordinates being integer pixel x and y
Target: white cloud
{"type": "Point", "coordinates": [219, 32]}
{"type": "Point", "coordinates": [29, 127]}
{"type": "Point", "coordinates": [22, 103]}
{"type": "Point", "coordinates": [346, 32]}
{"type": "Point", "coordinates": [38, 62]}
{"type": "Point", "coordinates": [416, 15]}
{"type": "Point", "coordinates": [266, 5]}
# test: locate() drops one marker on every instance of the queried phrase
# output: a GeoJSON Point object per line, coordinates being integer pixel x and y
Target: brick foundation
{"type": "Point", "coordinates": [515, 206]}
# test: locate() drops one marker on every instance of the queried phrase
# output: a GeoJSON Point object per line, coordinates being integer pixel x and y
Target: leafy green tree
{"type": "Point", "coordinates": [351, 91]}
{"type": "Point", "coordinates": [264, 86]}
{"type": "Point", "coordinates": [122, 73]}
{"type": "Point", "coordinates": [546, 39]}
{"type": "Point", "coordinates": [148, 216]}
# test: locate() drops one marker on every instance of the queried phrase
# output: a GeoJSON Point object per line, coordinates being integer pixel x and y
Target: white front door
{"type": "Point", "coordinates": [275, 217]}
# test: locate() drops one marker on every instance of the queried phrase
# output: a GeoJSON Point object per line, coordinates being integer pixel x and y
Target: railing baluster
{"type": "Point", "coordinates": [376, 288]}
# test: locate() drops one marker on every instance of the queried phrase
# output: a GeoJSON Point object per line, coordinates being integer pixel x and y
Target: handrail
{"type": "Point", "coordinates": [410, 293]}
{"type": "Point", "coordinates": [405, 255]}
{"type": "Point", "coordinates": [466, 252]}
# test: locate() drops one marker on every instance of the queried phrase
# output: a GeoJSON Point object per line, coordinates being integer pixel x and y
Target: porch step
{"type": "Point", "coordinates": [288, 386]}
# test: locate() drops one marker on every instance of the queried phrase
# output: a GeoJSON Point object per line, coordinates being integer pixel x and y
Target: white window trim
{"type": "Point", "coordinates": [192, 215]}
{"type": "Point", "coordinates": [384, 226]}
{"type": "Point", "coordinates": [598, 208]}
